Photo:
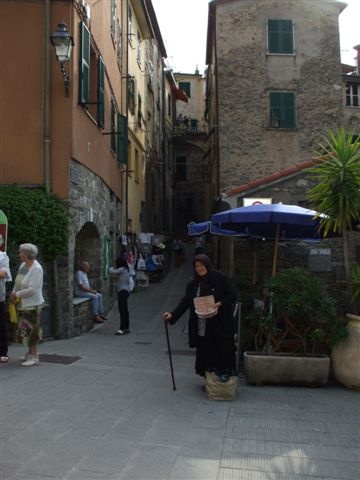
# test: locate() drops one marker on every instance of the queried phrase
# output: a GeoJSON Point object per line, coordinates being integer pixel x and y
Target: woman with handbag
{"type": "Point", "coordinates": [123, 278]}
{"type": "Point", "coordinates": [5, 276]}
{"type": "Point", "coordinates": [212, 333]}
{"type": "Point", "coordinates": [27, 294]}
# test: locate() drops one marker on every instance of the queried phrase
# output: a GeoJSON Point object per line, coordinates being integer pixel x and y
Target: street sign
{"type": "Point", "coordinates": [256, 201]}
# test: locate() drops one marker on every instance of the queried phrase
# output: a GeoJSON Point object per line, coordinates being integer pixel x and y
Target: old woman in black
{"type": "Point", "coordinates": [213, 337]}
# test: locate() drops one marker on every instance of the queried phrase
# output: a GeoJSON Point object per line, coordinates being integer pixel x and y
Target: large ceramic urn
{"type": "Point", "coordinates": [346, 356]}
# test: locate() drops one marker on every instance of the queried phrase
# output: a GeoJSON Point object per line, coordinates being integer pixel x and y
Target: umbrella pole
{"type": "Point", "coordinates": [254, 267]}
{"type": "Point", "coordinates": [277, 236]}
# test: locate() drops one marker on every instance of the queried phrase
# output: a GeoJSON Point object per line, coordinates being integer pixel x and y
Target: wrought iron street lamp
{"type": "Point", "coordinates": [63, 43]}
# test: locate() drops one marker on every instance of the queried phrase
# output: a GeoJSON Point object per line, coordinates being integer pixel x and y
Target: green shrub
{"type": "Point", "coordinates": [300, 315]}
{"type": "Point", "coordinates": [35, 216]}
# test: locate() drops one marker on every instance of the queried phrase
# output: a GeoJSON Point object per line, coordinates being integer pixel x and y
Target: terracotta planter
{"type": "Point", "coordinates": [346, 356]}
{"type": "Point", "coordinates": [286, 369]}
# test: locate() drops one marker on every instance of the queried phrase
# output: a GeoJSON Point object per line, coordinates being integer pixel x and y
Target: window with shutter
{"type": "Point", "coordinates": [122, 139]}
{"type": "Point", "coordinates": [280, 36]}
{"type": "Point", "coordinates": [100, 93]}
{"type": "Point", "coordinates": [130, 32]}
{"type": "Point", "coordinates": [181, 169]}
{"type": "Point", "coordinates": [113, 126]}
{"type": "Point", "coordinates": [185, 87]}
{"type": "Point", "coordinates": [352, 94]}
{"type": "Point", "coordinates": [139, 112]}
{"type": "Point", "coordinates": [84, 67]}
{"type": "Point", "coordinates": [132, 94]}
{"type": "Point", "coordinates": [119, 45]}
{"type": "Point", "coordinates": [282, 110]}
{"type": "Point", "coordinates": [112, 19]}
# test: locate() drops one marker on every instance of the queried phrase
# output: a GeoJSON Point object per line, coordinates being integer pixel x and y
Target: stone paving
{"type": "Point", "coordinates": [112, 414]}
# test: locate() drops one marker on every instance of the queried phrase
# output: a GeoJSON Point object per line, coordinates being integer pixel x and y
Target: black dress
{"type": "Point", "coordinates": [216, 349]}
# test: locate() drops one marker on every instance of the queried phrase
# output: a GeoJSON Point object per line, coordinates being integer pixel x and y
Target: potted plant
{"type": "Point", "coordinates": [337, 196]}
{"type": "Point", "coordinates": [294, 332]}
{"type": "Point", "coordinates": [346, 355]}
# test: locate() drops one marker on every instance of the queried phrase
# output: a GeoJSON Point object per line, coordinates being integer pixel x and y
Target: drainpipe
{"type": "Point", "coordinates": [46, 97]}
{"type": "Point", "coordinates": [127, 116]}
{"type": "Point", "coordinates": [55, 306]}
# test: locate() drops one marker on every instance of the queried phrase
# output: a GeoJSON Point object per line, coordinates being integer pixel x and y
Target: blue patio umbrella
{"type": "Point", "coordinates": [200, 228]}
{"type": "Point", "coordinates": [275, 221]}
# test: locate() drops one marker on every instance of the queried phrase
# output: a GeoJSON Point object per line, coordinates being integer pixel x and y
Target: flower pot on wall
{"type": "Point", "coordinates": [346, 356]}
{"type": "Point", "coordinates": [286, 369]}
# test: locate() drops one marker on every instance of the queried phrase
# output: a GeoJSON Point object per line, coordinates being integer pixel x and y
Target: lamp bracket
{"type": "Point", "coordinates": [66, 79]}
{"type": "Point", "coordinates": [112, 133]}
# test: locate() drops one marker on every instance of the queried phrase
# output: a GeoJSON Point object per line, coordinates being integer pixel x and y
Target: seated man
{"type": "Point", "coordinates": [83, 289]}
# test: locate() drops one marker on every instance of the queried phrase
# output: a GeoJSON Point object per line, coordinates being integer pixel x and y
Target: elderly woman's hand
{"type": "Point", "coordinates": [167, 316]}
{"type": "Point", "coordinates": [13, 297]}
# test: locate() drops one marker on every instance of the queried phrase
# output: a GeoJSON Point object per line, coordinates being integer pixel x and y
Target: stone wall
{"type": "Point", "coordinates": [90, 203]}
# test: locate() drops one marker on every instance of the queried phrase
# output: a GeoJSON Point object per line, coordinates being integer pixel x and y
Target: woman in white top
{"type": "Point", "coordinates": [121, 271]}
{"type": "Point", "coordinates": [27, 295]}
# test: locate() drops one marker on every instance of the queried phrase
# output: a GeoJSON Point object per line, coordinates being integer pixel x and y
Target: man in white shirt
{"type": "Point", "coordinates": [5, 276]}
{"type": "Point", "coordinates": [83, 289]}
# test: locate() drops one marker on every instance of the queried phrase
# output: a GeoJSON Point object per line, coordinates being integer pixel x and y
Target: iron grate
{"type": "Point", "coordinates": [54, 358]}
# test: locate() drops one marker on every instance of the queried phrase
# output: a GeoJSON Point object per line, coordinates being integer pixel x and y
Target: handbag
{"type": "Point", "coordinates": [217, 389]}
{"type": "Point", "coordinates": [13, 313]}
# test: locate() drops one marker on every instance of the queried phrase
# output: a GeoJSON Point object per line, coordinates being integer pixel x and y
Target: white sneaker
{"type": "Point", "coordinates": [23, 357]}
{"type": "Point", "coordinates": [31, 360]}
{"type": "Point", "coordinates": [120, 332]}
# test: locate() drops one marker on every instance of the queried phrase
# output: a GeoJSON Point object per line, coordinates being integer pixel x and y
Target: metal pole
{"type": "Point", "coordinates": [169, 350]}
{"type": "Point", "coordinates": [238, 335]}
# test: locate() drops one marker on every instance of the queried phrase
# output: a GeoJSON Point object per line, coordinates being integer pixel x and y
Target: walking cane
{"type": "Point", "coordinates": [169, 350]}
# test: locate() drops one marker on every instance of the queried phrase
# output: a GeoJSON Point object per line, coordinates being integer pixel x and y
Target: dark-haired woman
{"type": "Point", "coordinates": [121, 271]}
{"type": "Point", "coordinates": [213, 337]}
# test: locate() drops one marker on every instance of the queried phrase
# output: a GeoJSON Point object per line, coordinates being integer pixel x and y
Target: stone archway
{"type": "Point", "coordinates": [88, 248]}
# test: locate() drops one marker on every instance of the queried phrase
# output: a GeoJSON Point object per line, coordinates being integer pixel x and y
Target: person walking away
{"type": "Point", "coordinates": [212, 337]}
{"type": "Point", "coordinates": [82, 289]}
{"type": "Point", "coordinates": [199, 245]}
{"type": "Point", "coordinates": [5, 276]}
{"type": "Point", "coordinates": [122, 274]}
{"type": "Point", "coordinates": [28, 297]}
{"type": "Point", "coordinates": [179, 252]}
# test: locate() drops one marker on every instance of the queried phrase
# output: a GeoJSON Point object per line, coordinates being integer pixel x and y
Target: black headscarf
{"type": "Point", "coordinates": [204, 281]}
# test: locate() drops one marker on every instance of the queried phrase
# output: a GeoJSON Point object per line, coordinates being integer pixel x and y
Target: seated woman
{"type": "Point", "coordinates": [152, 269]}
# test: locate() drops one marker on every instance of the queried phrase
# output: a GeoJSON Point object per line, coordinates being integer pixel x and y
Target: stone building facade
{"type": "Point", "coordinates": [274, 84]}
{"type": "Point", "coordinates": [189, 137]}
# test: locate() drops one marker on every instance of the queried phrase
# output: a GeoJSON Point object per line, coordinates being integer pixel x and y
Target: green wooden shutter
{"type": "Point", "coordinates": [275, 109]}
{"type": "Point", "coordinates": [122, 139]}
{"type": "Point", "coordinates": [282, 110]}
{"type": "Point", "coordinates": [84, 64]}
{"type": "Point", "coordinates": [113, 128]}
{"type": "Point", "coordinates": [288, 100]}
{"type": "Point", "coordinates": [280, 36]}
{"type": "Point", "coordinates": [185, 87]}
{"type": "Point", "coordinates": [100, 93]}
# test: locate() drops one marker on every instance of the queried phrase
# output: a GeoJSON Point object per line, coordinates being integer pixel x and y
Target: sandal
{"type": "Point", "coordinates": [4, 359]}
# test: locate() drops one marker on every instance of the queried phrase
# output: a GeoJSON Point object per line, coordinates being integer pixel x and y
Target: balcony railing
{"type": "Point", "coordinates": [187, 125]}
